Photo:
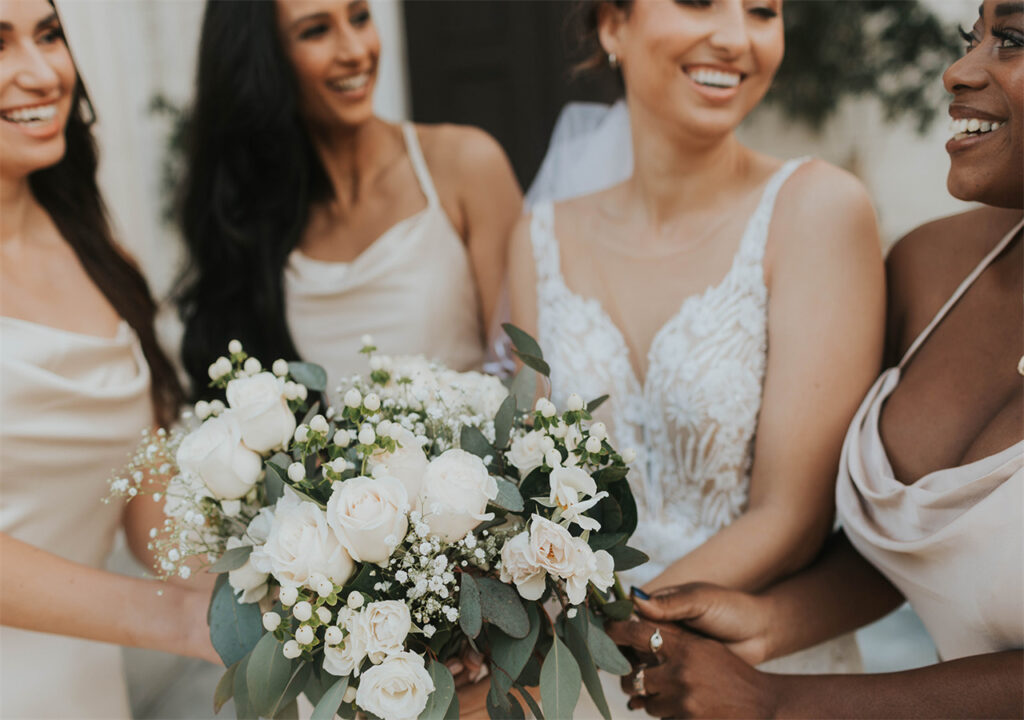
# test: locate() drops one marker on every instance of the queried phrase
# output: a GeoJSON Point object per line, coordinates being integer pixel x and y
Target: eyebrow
{"type": "Point", "coordinates": [48, 20]}
{"type": "Point", "coordinates": [1009, 8]}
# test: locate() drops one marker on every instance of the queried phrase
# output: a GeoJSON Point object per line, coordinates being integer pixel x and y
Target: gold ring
{"type": "Point", "coordinates": [656, 641]}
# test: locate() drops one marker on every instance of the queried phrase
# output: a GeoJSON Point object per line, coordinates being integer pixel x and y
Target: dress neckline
{"type": "Point", "coordinates": [120, 334]}
{"type": "Point", "coordinates": [765, 204]}
{"type": "Point", "coordinates": [890, 378]}
{"type": "Point", "coordinates": [426, 185]}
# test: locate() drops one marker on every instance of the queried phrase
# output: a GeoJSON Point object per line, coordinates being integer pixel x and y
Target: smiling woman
{"type": "Point", "coordinates": [333, 222]}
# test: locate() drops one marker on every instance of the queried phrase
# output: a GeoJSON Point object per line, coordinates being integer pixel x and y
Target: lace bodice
{"type": "Point", "coordinates": [692, 421]}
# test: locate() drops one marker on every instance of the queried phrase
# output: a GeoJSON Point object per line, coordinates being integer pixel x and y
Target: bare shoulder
{"type": "Point", "coordinates": [460, 148]}
{"type": "Point", "coordinates": [821, 198]}
{"type": "Point", "coordinates": [927, 264]}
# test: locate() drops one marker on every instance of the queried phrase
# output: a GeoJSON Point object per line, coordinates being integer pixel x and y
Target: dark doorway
{"type": "Point", "coordinates": [502, 65]}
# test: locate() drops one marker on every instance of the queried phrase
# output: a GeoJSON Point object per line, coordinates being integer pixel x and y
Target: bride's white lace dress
{"type": "Point", "coordinates": [692, 421]}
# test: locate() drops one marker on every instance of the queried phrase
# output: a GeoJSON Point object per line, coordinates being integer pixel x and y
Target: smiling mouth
{"type": "Point", "coordinates": [714, 78]}
{"type": "Point", "coordinates": [353, 82]}
{"type": "Point", "coordinates": [969, 127]}
{"type": "Point", "coordinates": [30, 116]}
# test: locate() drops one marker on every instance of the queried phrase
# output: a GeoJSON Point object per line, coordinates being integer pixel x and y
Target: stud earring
{"type": "Point", "coordinates": [613, 61]}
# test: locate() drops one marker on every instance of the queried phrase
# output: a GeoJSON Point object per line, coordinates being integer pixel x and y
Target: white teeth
{"type": "Point", "coordinates": [714, 78]}
{"type": "Point", "coordinates": [966, 126]}
{"type": "Point", "coordinates": [38, 114]}
{"type": "Point", "coordinates": [351, 83]}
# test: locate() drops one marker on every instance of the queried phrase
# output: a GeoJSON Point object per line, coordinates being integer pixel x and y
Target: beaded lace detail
{"type": "Point", "coordinates": [692, 421]}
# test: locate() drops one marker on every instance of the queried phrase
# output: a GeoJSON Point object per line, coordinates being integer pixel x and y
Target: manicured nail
{"type": "Point", "coordinates": [638, 593]}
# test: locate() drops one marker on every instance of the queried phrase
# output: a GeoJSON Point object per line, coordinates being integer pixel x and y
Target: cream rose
{"type": "Point", "coordinates": [408, 463]}
{"type": "Point", "coordinates": [214, 453]}
{"type": "Point", "coordinates": [553, 548]}
{"type": "Point", "coordinates": [369, 516]}
{"type": "Point", "coordinates": [387, 624]}
{"type": "Point", "coordinates": [262, 411]}
{"type": "Point", "coordinates": [345, 658]}
{"type": "Point", "coordinates": [456, 490]}
{"type": "Point", "coordinates": [248, 583]}
{"type": "Point", "coordinates": [397, 689]}
{"type": "Point", "coordinates": [518, 566]}
{"type": "Point", "coordinates": [301, 545]}
{"type": "Point", "coordinates": [527, 452]}
{"type": "Point", "coordinates": [584, 569]}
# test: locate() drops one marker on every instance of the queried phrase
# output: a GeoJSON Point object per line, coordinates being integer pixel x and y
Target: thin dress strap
{"type": "Point", "coordinates": [756, 237]}
{"type": "Point", "coordinates": [544, 242]}
{"type": "Point", "coordinates": [419, 165]}
{"type": "Point", "coordinates": [968, 281]}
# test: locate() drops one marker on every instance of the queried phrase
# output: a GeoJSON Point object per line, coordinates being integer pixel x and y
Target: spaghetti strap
{"type": "Point", "coordinates": [968, 281]}
{"type": "Point", "coordinates": [419, 165]}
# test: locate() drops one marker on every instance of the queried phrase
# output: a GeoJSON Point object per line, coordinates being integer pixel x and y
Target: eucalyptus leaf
{"type": "Point", "coordinates": [473, 441]}
{"type": "Point", "coordinates": [243, 707]}
{"type": "Point", "coordinates": [508, 496]}
{"type": "Point", "coordinates": [330, 701]}
{"type": "Point", "coordinates": [288, 712]}
{"type": "Point", "coordinates": [596, 403]}
{"type": "Point", "coordinates": [510, 709]}
{"type": "Point", "coordinates": [235, 628]}
{"type": "Point", "coordinates": [608, 512]}
{"type": "Point", "coordinates": [610, 474]}
{"type": "Point", "coordinates": [574, 633]}
{"type": "Point", "coordinates": [534, 707]}
{"type": "Point", "coordinates": [453, 709]}
{"type": "Point", "coordinates": [231, 560]}
{"type": "Point", "coordinates": [225, 688]}
{"type": "Point", "coordinates": [560, 682]}
{"type": "Point", "coordinates": [274, 479]}
{"type": "Point", "coordinates": [605, 652]}
{"type": "Point", "coordinates": [470, 618]}
{"type": "Point", "coordinates": [501, 605]}
{"type": "Point", "coordinates": [532, 361]}
{"type": "Point", "coordinates": [312, 376]}
{"type": "Point", "coordinates": [627, 558]}
{"type": "Point", "coordinates": [524, 387]}
{"type": "Point", "coordinates": [439, 701]}
{"type": "Point", "coordinates": [618, 610]}
{"type": "Point", "coordinates": [509, 654]}
{"type": "Point", "coordinates": [503, 421]}
{"type": "Point", "coordinates": [522, 340]}
{"type": "Point", "coordinates": [273, 680]}
{"type": "Point", "coordinates": [364, 579]}
{"type": "Point", "coordinates": [603, 541]}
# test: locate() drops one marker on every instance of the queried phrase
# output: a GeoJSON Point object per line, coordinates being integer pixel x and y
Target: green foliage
{"type": "Point", "coordinates": [273, 680]}
{"type": "Point", "coordinates": [330, 701]}
{"type": "Point", "coordinates": [231, 560]}
{"type": "Point", "coordinates": [893, 50]}
{"type": "Point", "coordinates": [470, 619]}
{"type": "Point", "coordinates": [501, 605]}
{"type": "Point", "coordinates": [560, 681]}
{"type": "Point", "coordinates": [235, 627]}
{"type": "Point", "coordinates": [440, 700]}
{"type": "Point", "coordinates": [311, 375]}
{"type": "Point", "coordinates": [509, 655]}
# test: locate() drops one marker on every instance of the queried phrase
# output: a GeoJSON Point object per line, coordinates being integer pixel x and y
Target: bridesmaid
{"type": "Point", "coordinates": [82, 373]}
{"type": "Point", "coordinates": [931, 483]}
{"type": "Point", "coordinates": [310, 221]}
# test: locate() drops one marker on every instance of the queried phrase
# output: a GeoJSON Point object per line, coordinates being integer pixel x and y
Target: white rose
{"type": "Point", "coordinates": [585, 569]}
{"type": "Point", "coordinates": [301, 545]}
{"type": "Point", "coordinates": [518, 566]}
{"type": "Point", "coordinates": [248, 583]}
{"type": "Point", "coordinates": [408, 463]}
{"type": "Point", "coordinates": [387, 624]}
{"type": "Point", "coordinates": [555, 550]}
{"type": "Point", "coordinates": [369, 516]}
{"type": "Point", "coordinates": [568, 484]}
{"type": "Point", "coordinates": [455, 492]}
{"type": "Point", "coordinates": [527, 452]}
{"type": "Point", "coordinates": [214, 453]}
{"type": "Point", "coordinates": [397, 689]}
{"type": "Point", "coordinates": [262, 411]}
{"type": "Point", "coordinates": [345, 658]}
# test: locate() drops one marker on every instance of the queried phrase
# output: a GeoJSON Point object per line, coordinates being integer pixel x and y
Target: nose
{"type": "Point", "coordinates": [729, 35]}
{"type": "Point", "coordinates": [352, 49]}
{"type": "Point", "coordinates": [32, 71]}
{"type": "Point", "coordinates": [967, 73]}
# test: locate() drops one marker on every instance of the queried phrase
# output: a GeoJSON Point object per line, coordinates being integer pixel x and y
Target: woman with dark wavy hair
{"type": "Point", "coordinates": [81, 374]}
{"type": "Point", "coordinates": [310, 221]}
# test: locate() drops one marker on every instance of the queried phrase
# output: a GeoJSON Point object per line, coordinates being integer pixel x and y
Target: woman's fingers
{"type": "Point", "coordinates": [679, 603]}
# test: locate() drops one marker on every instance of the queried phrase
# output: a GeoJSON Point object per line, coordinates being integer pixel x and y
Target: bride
{"type": "Point", "coordinates": [731, 304]}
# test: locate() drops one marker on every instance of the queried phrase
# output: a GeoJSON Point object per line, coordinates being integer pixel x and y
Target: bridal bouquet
{"type": "Point", "coordinates": [426, 513]}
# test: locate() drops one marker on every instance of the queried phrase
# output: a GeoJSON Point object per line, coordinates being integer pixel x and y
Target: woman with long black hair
{"type": "Point", "coordinates": [310, 221]}
{"type": "Point", "coordinates": [82, 373]}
